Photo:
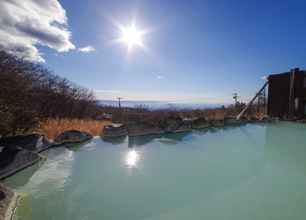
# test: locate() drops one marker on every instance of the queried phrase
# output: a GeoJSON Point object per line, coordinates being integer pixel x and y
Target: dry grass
{"type": "Point", "coordinates": [53, 127]}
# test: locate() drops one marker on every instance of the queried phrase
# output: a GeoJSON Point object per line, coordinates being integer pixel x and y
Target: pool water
{"type": "Point", "coordinates": [254, 171]}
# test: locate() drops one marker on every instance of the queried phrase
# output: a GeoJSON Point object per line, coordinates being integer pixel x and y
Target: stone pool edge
{"type": "Point", "coordinates": [11, 198]}
{"type": "Point", "coordinates": [12, 206]}
{"type": "Point", "coordinates": [9, 202]}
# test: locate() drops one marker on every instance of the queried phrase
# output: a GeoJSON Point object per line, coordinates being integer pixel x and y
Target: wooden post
{"type": "Point", "coordinates": [120, 112]}
{"type": "Point", "coordinates": [265, 101]}
{"type": "Point", "coordinates": [291, 92]}
{"type": "Point", "coordinates": [250, 103]}
{"type": "Point", "coordinates": [119, 102]}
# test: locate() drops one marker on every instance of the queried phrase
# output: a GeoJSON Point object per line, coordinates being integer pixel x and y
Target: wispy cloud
{"type": "Point", "coordinates": [160, 77]}
{"type": "Point", "coordinates": [87, 49]}
{"type": "Point", "coordinates": [26, 24]}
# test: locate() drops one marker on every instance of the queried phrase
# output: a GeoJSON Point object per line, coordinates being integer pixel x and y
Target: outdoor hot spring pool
{"type": "Point", "coordinates": [254, 171]}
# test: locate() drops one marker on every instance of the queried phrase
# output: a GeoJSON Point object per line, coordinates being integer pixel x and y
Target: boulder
{"type": "Point", "coordinates": [73, 136]}
{"type": "Point", "coordinates": [143, 128]}
{"type": "Point", "coordinates": [172, 124]}
{"type": "Point", "coordinates": [32, 142]}
{"type": "Point", "coordinates": [175, 124]}
{"type": "Point", "coordinates": [217, 123]}
{"type": "Point", "coordinates": [14, 159]}
{"type": "Point", "coordinates": [114, 130]}
{"type": "Point", "coordinates": [7, 155]}
{"type": "Point", "coordinates": [185, 125]}
{"type": "Point", "coordinates": [200, 123]}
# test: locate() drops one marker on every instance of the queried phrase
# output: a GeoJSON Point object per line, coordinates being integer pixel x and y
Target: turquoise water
{"type": "Point", "coordinates": [255, 171]}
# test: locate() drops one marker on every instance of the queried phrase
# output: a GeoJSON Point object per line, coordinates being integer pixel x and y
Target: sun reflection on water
{"type": "Point", "coordinates": [132, 158]}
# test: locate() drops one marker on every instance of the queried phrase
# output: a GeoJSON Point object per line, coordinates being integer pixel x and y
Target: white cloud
{"type": "Point", "coordinates": [86, 49]}
{"type": "Point", "coordinates": [25, 24]}
{"type": "Point", "coordinates": [160, 77]}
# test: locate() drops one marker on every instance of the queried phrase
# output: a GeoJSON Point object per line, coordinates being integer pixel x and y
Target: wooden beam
{"type": "Point", "coordinates": [250, 102]}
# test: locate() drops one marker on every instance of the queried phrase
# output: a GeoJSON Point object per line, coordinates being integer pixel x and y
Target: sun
{"type": "Point", "coordinates": [131, 36]}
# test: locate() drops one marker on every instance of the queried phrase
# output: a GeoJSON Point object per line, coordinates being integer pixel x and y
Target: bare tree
{"type": "Point", "coordinates": [29, 93]}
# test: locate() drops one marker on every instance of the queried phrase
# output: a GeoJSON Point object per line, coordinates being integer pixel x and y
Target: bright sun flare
{"type": "Point", "coordinates": [132, 158]}
{"type": "Point", "coordinates": [131, 36]}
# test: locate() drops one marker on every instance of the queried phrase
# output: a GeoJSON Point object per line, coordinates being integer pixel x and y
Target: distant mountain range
{"type": "Point", "coordinates": [159, 104]}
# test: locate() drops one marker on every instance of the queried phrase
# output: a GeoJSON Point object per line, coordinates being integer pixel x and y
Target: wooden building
{"type": "Point", "coordinates": [287, 94]}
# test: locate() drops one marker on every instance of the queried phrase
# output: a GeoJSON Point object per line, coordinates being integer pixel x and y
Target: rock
{"type": "Point", "coordinates": [72, 136]}
{"type": "Point", "coordinates": [217, 123]}
{"type": "Point", "coordinates": [264, 118]}
{"type": "Point", "coordinates": [104, 116]}
{"type": "Point", "coordinates": [253, 119]}
{"type": "Point", "coordinates": [167, 125]}
{"type": "Point", "coordinates": [185, 125]}
{"type": "Point", "coordinates": [245, 119]}
{"type": "Point", "coordinates": [200, 123]}
{"type": "Point", "coordinates": [143, 128]}
{"type": "Point", "coordinates": [2, 195]}
{"type": "Point", "coordinates": [7, 200]}
{"type": "Point", "coordinates": [32, 142]}
{"type": "Point", "coordinates": [172, 124]}
{"type": "Point", "coordinates": [232, 121]}
{"type": "Point", "coordinates": [302, 121]}
{"type": "Point", "coordinates": [114, 130]}
{"type": "Point", "coordinates": [267, 118]}
{"type": "Point", "coordinates": [13, 159]}
{"type": "Point", "coordinates": [7, 155]}
{"type": "Point", "coordinates": [116, 140]}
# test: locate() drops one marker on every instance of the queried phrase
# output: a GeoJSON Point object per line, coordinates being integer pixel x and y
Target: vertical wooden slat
{"type": "Point", "coordinates": [291, 92]}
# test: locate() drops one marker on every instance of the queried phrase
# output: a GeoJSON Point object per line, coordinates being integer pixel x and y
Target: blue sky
{"type": "Point", "coordinates": [200, 51]}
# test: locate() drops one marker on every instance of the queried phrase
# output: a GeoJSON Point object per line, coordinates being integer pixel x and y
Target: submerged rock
{"type": "Point", "coordinates": [32, 142]}
{"type": "Point", "coordinates": [73, 136]}
{"type": "Point", "coordinates": [114, 130]}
